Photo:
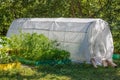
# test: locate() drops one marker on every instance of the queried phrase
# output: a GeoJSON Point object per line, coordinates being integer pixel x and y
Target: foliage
{"type": "Point", "coordinates": [36, 47]}
{"type": "Point", "coordinates": [117, 45]}
{"type": "Point", "coordinates": [4, 41]}
{"type": "Point", "coordinates": [4, 56]}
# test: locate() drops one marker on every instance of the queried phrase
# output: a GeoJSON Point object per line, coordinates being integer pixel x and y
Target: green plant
{"type": "Point", "coordinates": [4, 51]}
{"type": "Point", "coordinates": [116, 37]}
{"type": "Point", "coordinates": [4, 41]}
{"type": "Point", "coordinates": [36, 47]}
{"type": "Point", "coordinates": [4, 56]}
{"type": "Point", "coordinates": [117, 47]}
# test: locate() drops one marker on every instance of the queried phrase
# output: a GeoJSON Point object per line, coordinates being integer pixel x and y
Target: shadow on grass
{"type": "Point", "coordinates": [82, 72]}
{"type": "Point", "coordinates": [63, 72]}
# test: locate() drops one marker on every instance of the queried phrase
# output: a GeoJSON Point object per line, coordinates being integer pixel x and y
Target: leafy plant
{"type": "Point", "coordinates": [4, 41]}
{"type": "Point", "coordinates": [117, 47]}
{"type": "Point", "coordinates": [4, 56]}
{"type": "Point", "coordinates": [36, 47]}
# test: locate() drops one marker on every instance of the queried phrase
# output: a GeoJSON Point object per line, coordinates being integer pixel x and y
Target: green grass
{"type": "Point", "coordinates": [62, 72]}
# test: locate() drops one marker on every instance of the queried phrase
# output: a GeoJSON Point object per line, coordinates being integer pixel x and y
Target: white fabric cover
{"type": "Point", "coordinates": [83, 38]}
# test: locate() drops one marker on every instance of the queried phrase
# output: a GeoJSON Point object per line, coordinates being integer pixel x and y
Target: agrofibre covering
{"type": "Point", "coordinates": [83, 38]}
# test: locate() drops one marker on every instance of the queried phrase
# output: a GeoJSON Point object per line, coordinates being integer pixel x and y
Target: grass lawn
{"type": "Point", "coordinates": [62, 72]}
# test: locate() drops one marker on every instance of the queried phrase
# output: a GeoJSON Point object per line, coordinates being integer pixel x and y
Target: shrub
{"type": "Point", "coordinates": [36, 47]}
{"type": "Point", "coordinates": [117, 47]}
{"type": "Point", "coordinates": [4, 41]}
{"type": "Point", "coordinates": [4, 54]}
